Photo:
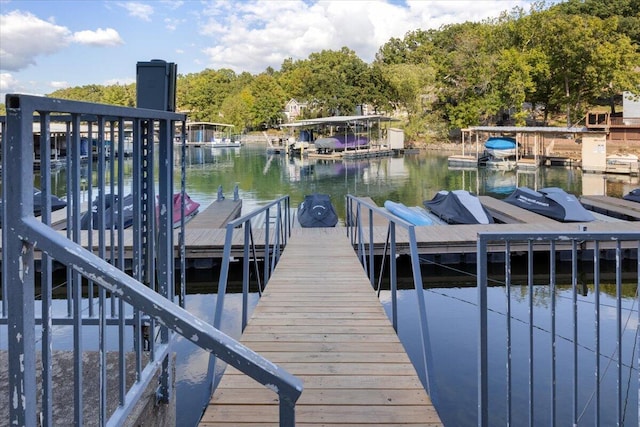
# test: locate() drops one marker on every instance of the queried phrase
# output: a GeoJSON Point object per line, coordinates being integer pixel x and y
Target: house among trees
{"type": "Point", "coordinates": [293, 109]}
{"type": "Point", "coordinates": [621, 127]}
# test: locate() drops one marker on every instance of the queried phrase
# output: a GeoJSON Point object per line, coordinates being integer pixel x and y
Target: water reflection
{"type": "Point", "coordinates": [410, 179]}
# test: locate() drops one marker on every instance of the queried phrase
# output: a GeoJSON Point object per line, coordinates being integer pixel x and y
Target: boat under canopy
{"type": "Point", "coordinates": [552, 202]}
{"type": "Point", "coordinates": [341, 142]}
{"type": "Point", "coordinates": [316, 211]}
{"type": "Point", "coordinates": [458, 207]}
{"type": "Point", "coordinates": [633, 195]}
{"type": "Point", "coordinates": [501, 147]}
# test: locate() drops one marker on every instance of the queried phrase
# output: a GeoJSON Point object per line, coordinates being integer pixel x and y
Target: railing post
{"type": "Point", "coordinates": [483, 381]}
{"type": "Point", "coordinates": [18, 257]}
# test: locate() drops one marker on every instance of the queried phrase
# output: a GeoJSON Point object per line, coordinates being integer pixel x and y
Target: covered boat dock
{"type": "Point", "coordinates": [535, 144]}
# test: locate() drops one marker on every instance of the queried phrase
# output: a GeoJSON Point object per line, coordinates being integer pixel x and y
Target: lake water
{"type": "Point", "coordinates": [451, 304]}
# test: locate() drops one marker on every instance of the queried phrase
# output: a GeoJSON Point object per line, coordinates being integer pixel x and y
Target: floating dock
{"type": "Point", "coordinates": [204, 237]}
{"type": "Point", "coordinates": [319, 318]}
{"type": "Point", "coordinates": [612, 206]}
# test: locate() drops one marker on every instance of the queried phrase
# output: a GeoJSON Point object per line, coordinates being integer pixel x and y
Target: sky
{"type": "Point", "coordinates": [47, 45]}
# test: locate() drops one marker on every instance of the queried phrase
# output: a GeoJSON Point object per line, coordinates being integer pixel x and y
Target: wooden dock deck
{"type": "Point", "coordinates": [612, 206]}
{"type": "Point", "coordinates": [217, 214]}
{"type": "Point", "coordinates": [509, 214]}
{"type": "Point", "coordinates": [320, 319]}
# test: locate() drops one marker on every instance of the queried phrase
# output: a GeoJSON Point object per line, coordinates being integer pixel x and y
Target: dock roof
{"type": "Point", "coordinates": [527, 129]}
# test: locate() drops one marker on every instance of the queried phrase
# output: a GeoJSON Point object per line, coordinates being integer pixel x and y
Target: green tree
{"type": "Point", "coordinates": [202, 94]}
{"type": "Point", "coordinates": [124, 95]}
{"type": "Point", "coordinates": [269, 100]}
{"type": "Point", "coordinates": [237, 109]}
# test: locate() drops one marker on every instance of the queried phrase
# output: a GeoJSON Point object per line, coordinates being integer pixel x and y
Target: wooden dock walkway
{"type": "Point", "coordinates": [612, 206]}
{"type": "Point", "coordinates": [320, 319]}
{"type": "Point", "coordinates": [217, 214]}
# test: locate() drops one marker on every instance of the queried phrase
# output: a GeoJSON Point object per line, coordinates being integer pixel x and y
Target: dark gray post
{"type": "Point", "coordinates": [156, 85]}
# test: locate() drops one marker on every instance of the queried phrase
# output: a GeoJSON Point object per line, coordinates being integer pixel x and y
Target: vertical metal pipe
{"type": "Point", "coordinates": [47, 270]}
{"type": "Point", "coordinates": [422, 310]}
{"type": "Point", "coordinates": [483, 376]}
{"type": "Point", "coordinates": [183, 189]}
{"type": "Point", "coordinates": [18, 255]}
{"type": "Point", "coordinates": [393, 275]}
{"type": "Point", "coordinates": [619, 363]}
{"type": "Point", "coordinates": [164, 224]}
{"type": "Point", "coordinates": [77, 289]}
{"type": "Point", "coordinates": [596, 283]}
{"type": "Point", "coordinates": [371, 252]}
{"type": "Point", "coordinates": [552, 286]}
{"type": "Point", "coordinates": [507, 284]}
{"type": "Point", "coordinates": [531, 329]}
{"type": "Point", "coordinates": [574, 285]}
{"type": "Point", "coordinates": [245, 275]}
{"type": "Point", "coordinates": [267, 240]}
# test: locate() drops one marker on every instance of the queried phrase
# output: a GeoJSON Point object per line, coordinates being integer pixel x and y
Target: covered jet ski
{"type": "Point", "coordinates": [316, 211]}
{"type": "Point", "coordinates": [111, 214]}
{"type": "Point", "coordinates": [410, 214]}
{"type": "Point", "coordinates": [552, 202]}
{"type": "Point", "coordinates": [459, 207]}
{"type": "Point", "coordinates": [633, 195]}
{"type": "Point", "coordinates": [56, 203]}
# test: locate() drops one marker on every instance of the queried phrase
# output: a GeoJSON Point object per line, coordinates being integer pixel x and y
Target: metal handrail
{"type": "Point", "coordinates": [591, 243]}
{"type": "Point", "coordinates": [357, 231]}
{"type": "Point", "coordinates": [271, 252]}
{"type": "Point", "coordinates": [150, 292]}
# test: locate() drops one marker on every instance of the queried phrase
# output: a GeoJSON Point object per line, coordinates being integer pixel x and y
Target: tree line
{"type": "Point", "coordinates": [521, 66]}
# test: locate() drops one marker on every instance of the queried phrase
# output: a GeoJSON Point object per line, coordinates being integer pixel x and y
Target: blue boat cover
{"type": "Point", "coordinates": [500, 143]}
{"type": "Point", "coordinates": [317, 211]}
{"type": "Point", "coordinates": [410, 215]}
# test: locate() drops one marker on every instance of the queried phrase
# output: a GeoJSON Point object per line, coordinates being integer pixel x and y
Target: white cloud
{"type": "Point", "coordinates": [99, 37]}
{"type": "Point", "coordinates": [7, 82]}
{"type": "Point", "coordinates": [121, 82]}
{"type": "Point", "coordinates": [20, 45]}
{"type": "Point", "coordinates": [252, 35]}
{"type": "Point", "coordinates": [138, 10]}
{"type": "Point", "coordinates": [59, 85]}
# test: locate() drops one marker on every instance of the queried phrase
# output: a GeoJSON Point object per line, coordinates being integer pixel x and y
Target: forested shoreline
{"type": "Point", "coordinates": [551, 62]}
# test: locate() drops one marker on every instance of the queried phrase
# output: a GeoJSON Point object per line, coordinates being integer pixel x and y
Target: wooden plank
{"type": "Point", "coordinates": [335, 337]}
{"type": "Point", "coordinates": [510, 214]}
{"type": "Point", "coordinates": [612, 206]}
{"type": "Point", "coordinates": [216, 215]}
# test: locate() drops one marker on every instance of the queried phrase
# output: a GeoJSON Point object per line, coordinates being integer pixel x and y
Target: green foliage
{"type": "Point", "coordinates": [563, 58]}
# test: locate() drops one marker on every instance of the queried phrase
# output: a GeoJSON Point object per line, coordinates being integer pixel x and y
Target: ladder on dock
{"type": "Point", "coordinates": [320, 319]}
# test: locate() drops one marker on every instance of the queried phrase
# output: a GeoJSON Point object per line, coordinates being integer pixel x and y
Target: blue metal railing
{"type": "Point", "coordinates": [623, 247]}
{"type": "Point", "coordinates": [360, 229]}
{"type": "Point", "coordinates": [95, 261]}
{"type": "Point", "coordinates": [276, 236]}
{"type": "Point", "coordinates": [542, 370]}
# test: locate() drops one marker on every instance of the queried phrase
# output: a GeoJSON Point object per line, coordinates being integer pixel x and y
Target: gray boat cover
{"type": "Point", "coordinates": [458, 207]}
{"type": "Point", "coordinates": [56, 203]}
{"type": "Point", "coordinates": [633, 195]}
{"type": "Point", "coordinates": [111, 214]}
{"type": "Point", "coordinates": [552, 202]}
{"type": "Point", "coordinates": [316, 211]}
